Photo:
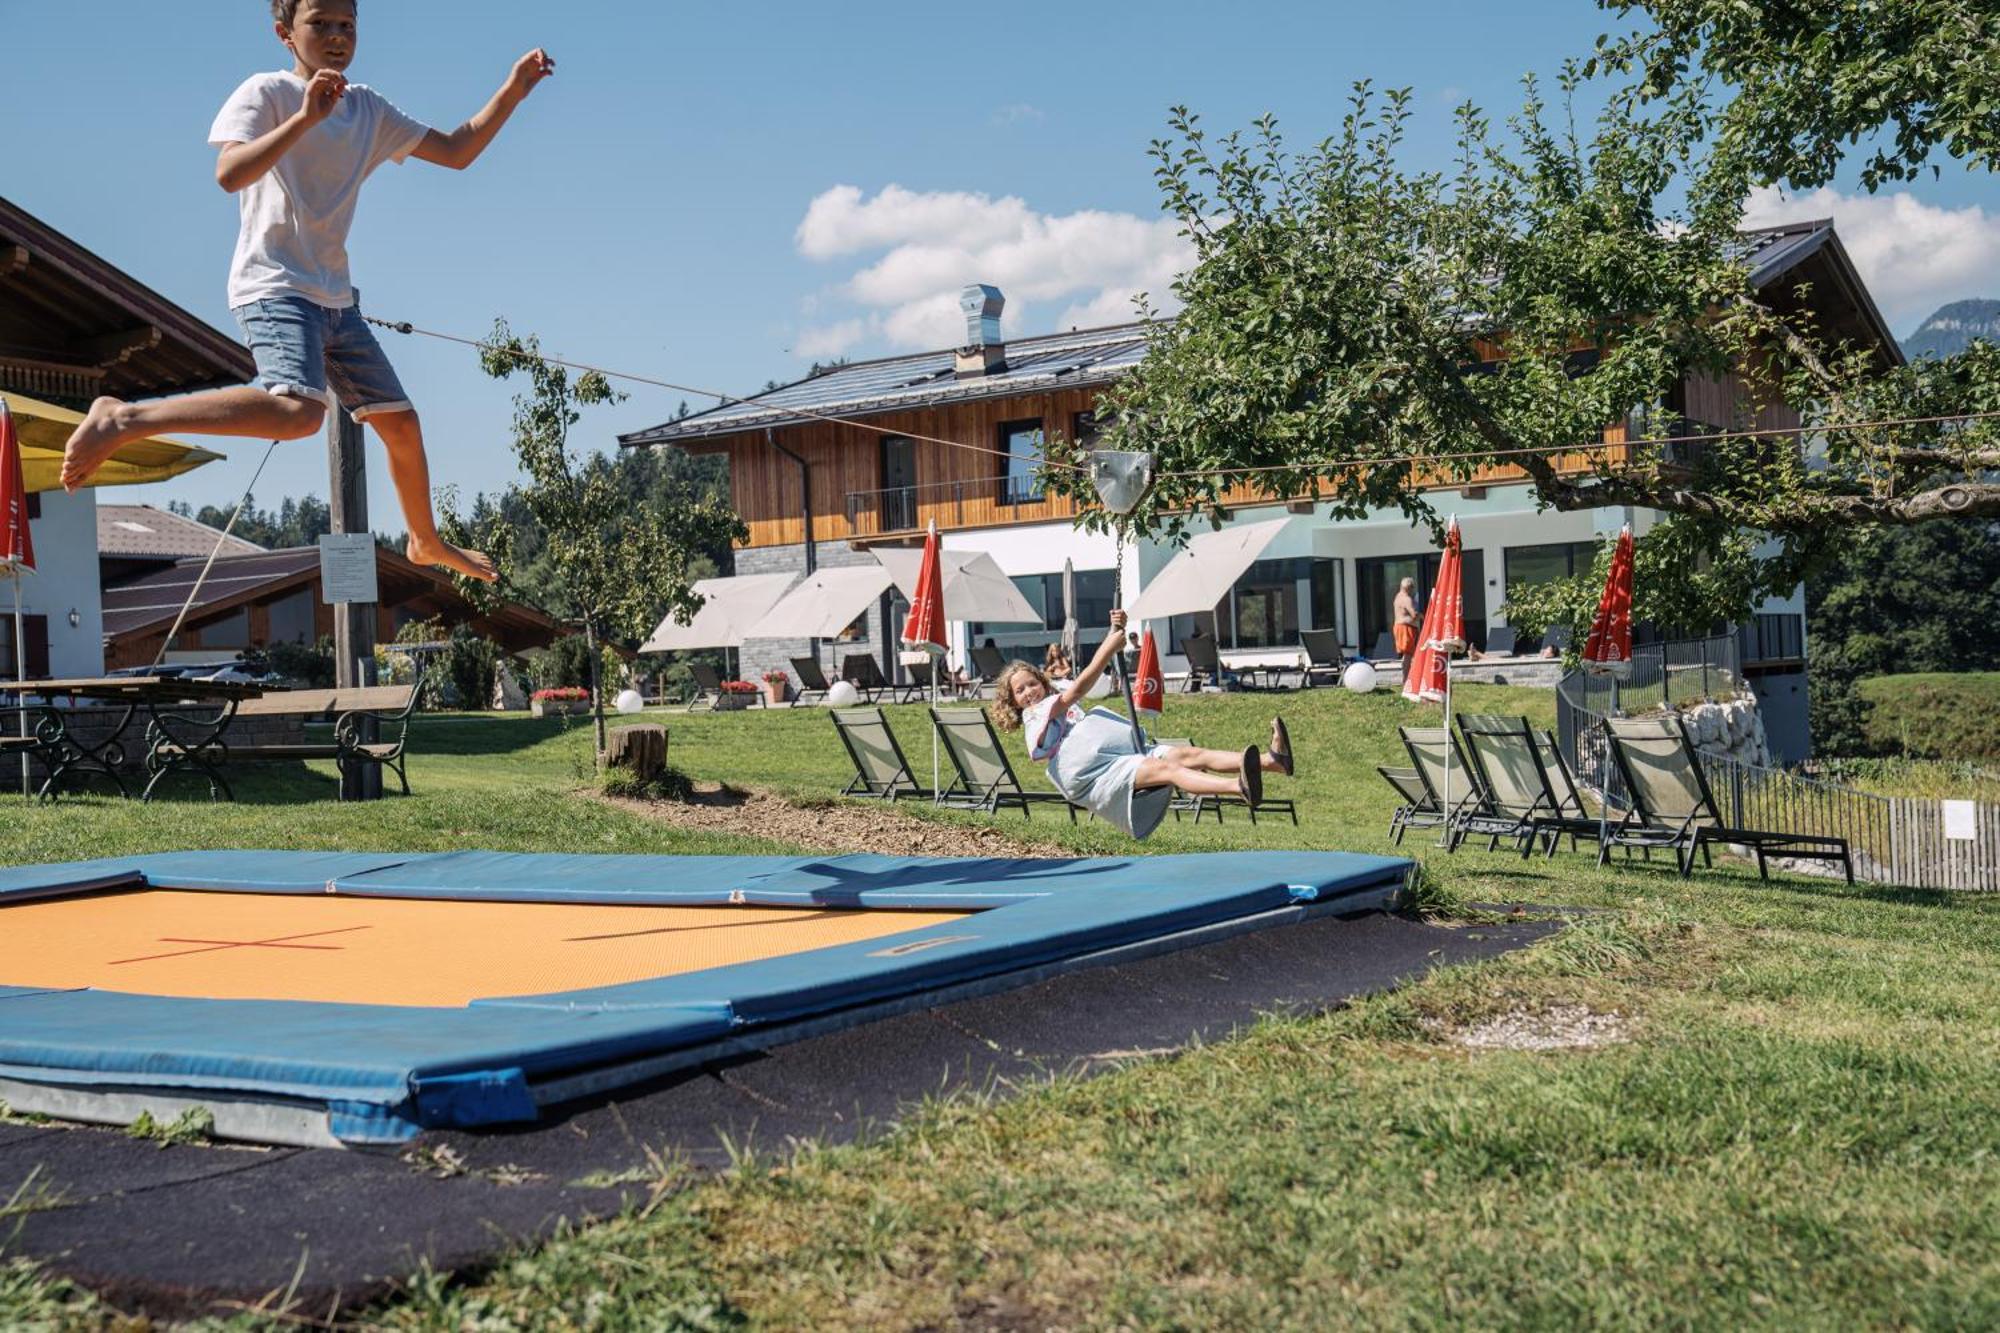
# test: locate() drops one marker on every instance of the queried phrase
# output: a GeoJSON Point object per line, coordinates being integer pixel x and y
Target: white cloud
{"type": "Point", "coordinates": [1088, 264]}
{"type": "Point", "coordinates": [1914, 256]}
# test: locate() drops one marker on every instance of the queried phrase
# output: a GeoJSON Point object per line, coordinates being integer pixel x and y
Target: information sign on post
{"type": "Point", "coordinates": [1961, 821]}
{"type": "Point", "coordinates": [347, 568]}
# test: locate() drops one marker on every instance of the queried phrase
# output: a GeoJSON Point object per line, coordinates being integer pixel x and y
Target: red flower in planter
{"type": "Point", "coordinates": [738, 687]}
{"type": "Point", "coordinates": [561, 694]}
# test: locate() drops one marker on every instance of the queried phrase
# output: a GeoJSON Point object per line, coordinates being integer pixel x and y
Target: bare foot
{"type": "Point", "coordinates": [472, 564]}
{"type": "Point", "coordinates": [92, 443]}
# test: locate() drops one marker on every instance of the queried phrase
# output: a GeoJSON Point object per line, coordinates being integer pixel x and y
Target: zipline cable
{"type": "Point", "coordinates": [721, 399]}
{"type": "Point", "coordinates": [167, 644]}
{"type": "Point", "coordinates": [1313, 464]}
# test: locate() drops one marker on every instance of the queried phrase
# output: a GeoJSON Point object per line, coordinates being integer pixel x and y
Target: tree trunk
{"type": "Point", "coordinates": [596, 687]}
{"type": "Point", "coordinates": [642, 748]}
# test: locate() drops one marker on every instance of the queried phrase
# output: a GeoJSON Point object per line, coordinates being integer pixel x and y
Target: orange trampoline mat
{"type": "Point", "coordinates": [397, 951]}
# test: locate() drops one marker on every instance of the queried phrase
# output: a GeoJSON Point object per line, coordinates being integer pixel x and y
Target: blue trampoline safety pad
{"type": "Point", "coordinates": [380, 1072]}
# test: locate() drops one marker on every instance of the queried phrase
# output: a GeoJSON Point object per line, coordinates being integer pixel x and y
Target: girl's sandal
{"type": "Point", "coordinates": [1281, 746]}
{"type": "Point", "coordinates": [1250, 782]}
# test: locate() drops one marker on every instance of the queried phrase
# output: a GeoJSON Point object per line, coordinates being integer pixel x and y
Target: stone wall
{"type": "Point", "coordinates": [1734, 729]}
{"type": "Point", "coordinates": [761, 655]}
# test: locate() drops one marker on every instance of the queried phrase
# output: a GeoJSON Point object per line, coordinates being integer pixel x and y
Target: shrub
{"type": "Point", "coordinates": [1944, 715]}
{"type": "Point", "coordinates": [668, 784]}
{"type": "Point", "coordinates": [306, 668]}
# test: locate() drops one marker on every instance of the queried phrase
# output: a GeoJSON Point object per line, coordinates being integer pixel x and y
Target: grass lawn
{"type": "Point", "coordinates": [1801, 1126]}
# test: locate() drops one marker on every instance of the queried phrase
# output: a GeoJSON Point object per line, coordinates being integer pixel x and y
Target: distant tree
{"type": "Point", "coordinates": [1894, 601]}
{"type": "Point", "coordinates": [1809, 81]}
{"type": "Point", "coordinates": [1365, 332]}
{"type": "Point", "coordinates": [293, 523]}
{"type": "Point", "coordinates": [616, 564]}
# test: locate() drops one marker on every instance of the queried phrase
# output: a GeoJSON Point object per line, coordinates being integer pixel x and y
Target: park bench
{"type": "Point", "coordinates": [347, 711]}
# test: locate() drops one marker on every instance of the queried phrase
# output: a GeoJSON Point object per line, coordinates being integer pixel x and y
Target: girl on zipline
{"type": "Point", "coordinates": [1095, 760]}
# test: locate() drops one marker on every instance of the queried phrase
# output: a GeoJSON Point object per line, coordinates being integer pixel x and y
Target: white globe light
{"type": "Point", "coordinates": [842, 695]}
{"type": "Point", "coordinates": [1359, 677]}
{"type": "Point", "coordinates": [630, 701]}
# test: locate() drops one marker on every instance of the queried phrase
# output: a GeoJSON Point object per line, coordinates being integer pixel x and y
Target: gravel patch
{"type": "Point", "coordinates": [1564, 1027]}
{"type": "Point", "coordinates": [838, 826]}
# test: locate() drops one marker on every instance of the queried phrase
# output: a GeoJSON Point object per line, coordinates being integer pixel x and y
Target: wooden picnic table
{"type": "Point", "coordinates": [185, 720]}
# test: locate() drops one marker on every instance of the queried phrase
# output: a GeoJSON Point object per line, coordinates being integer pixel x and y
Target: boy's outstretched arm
{"type": "Point", "coordinates": [462, 147]}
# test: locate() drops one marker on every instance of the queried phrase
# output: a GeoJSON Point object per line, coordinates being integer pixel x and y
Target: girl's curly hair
{"type": "Point", "coordinates": [1005, 716]}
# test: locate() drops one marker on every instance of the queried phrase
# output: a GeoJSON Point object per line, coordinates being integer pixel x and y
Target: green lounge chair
{"type": "Point", "coordinates": [880, 770]}
{"type": "Point", "coordinates": [985, 778]}
{"type": "Point", "coordinates": [1673, 807]}
{"type": "Point", "coordinates": [1519, 798]}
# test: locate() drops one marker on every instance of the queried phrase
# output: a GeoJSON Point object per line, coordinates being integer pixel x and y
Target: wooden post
{"type": "Point", "coordinates": [353, 622]}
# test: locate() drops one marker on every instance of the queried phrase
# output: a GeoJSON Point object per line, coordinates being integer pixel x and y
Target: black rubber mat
{"type": "Point", "coordinates": [175, 1231]}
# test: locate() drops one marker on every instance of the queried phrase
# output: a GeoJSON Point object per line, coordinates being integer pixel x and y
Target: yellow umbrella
{"type": "Point", "coordinates": [44, 428]}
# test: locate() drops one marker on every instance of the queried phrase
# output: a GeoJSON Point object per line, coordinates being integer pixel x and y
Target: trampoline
{"type": "Point", "coordinates": [355, 999]}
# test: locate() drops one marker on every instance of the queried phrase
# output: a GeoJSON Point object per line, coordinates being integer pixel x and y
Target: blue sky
{"type": "Point", "coordinates": [704, 193]}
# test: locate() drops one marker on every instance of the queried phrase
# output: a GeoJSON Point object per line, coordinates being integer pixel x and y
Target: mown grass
{"type": "Point", "coordinates": [1799, 1130]}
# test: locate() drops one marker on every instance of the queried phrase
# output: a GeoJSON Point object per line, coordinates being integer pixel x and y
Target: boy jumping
{"type": "Point", "coordinates": [297, 145]}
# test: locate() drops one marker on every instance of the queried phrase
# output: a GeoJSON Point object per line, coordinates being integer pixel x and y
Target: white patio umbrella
{"type": "Point", "coordinates": [823, 603]}
{"type": "Point", "coordinates": [730, 606]}
{"type": "Point", "coordinates": [1198, 578]}
{"type": "Point", "coordinates": [974, 586]}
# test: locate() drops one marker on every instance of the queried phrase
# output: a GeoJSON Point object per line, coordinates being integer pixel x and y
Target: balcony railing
{"type": "Point", "coordinates": [971, 502]}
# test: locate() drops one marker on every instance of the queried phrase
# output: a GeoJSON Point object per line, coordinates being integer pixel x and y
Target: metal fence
{"type": "Point", "coordinates": [1896, 840]}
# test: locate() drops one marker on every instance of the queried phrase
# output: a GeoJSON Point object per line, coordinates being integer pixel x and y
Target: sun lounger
{"type": "Point", "coordinates": [1427, 748]}
{"type": "Point", "coordinates": [985, 779]}
{"type": "Point", "coordinates": [707, 687]}
{"type": "Point", "coordinates": [1500, 641]}
{"type": "Point", "coordinates": [1203, 658]}
{"type": "Point", "coordinates": [1672, 805]}
{"type": "Point", "coordinates": [880, 770]}
{"type": "Point", "coordinates": [988, 663]}
{"type": "Point", "coordinates": [1323, 653]}
{"type": "Point", "coordinates": [1519, 798]}
{"type": "Point", "coordinates": [1419, 809]}
{"type": "Point", "coordinates": [1385, 648]}
{"type": "Point", "coordinates": [813, 683]}
{"type": "Point", "coordinates": [864, 673]}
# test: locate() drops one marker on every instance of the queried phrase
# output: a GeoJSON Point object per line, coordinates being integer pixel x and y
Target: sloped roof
{"type": "Point", "coordinates": [70, 317]}
{"type": "Point", "coordinates": [144, 531]}
{"type": "Point", "coordinates": [151, 601]}
{"type": "Point", "coordinates": [922, 379]}
{"type": "Point", "coordinates": [1096, 356]}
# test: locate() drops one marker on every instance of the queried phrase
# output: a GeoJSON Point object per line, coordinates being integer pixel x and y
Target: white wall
{"type": "Point", "coordinates": [65, 539]}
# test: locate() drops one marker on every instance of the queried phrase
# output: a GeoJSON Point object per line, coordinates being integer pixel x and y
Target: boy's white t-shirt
{"type": "Point", "coordinates": [296, 215]}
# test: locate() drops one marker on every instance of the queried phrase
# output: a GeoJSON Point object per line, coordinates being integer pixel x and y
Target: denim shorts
{"type": "Point", "coordinates": [303, 350]}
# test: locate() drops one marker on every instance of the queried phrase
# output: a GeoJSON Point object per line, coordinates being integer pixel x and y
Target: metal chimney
{"type": "Point", "coordinates": [983, 353]}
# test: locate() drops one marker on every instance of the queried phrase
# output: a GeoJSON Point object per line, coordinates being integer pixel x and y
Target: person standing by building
{"type": "Point", "coordinates": [1406, 623]}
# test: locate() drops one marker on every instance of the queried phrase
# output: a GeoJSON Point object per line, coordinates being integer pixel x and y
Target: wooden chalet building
{"type": "Point", "coordinates": [815, 493]}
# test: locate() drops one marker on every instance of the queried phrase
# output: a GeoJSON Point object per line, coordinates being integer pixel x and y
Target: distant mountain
{"type": "Point", "coordinates": [1953, 327]}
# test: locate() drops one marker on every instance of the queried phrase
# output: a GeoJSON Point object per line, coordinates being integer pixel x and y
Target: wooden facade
{"type": "Point", "coordinates": [853, 498]}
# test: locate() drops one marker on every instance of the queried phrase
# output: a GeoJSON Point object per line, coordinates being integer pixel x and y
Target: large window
{"type": "Point", "coordinates": [1376, 581]}
{"type": "Point", "coordinates": [1021, 441]}
{"type": "Point", "coordinates": [1268, 606]}
{"type": "Point", "coordinates": [1546, 564]}
{"type": "Point", "coordinates": [1044, 592]}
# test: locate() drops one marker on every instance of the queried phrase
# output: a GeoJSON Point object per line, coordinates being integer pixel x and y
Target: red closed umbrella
{"type": "Point", "coordinates": [1150, 690]}
{"type": "Point", "coordinates": [17, 547]}
{"type": "Point", "coordinates": [1608, 651]}
{"type": "Point", "coordinates": [923, 628]}
{"type": "Point", "coordinates": [1443, 632]}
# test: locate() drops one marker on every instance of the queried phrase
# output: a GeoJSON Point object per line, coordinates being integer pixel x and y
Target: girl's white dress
{"type": "Point", "coordinates": [1093, 760]}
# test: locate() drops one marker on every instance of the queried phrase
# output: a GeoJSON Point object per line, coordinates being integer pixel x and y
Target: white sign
{"type": "Point", "coordinates": [1961, 820]}
{"type": "Point", "coordinates": [347, 568]}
